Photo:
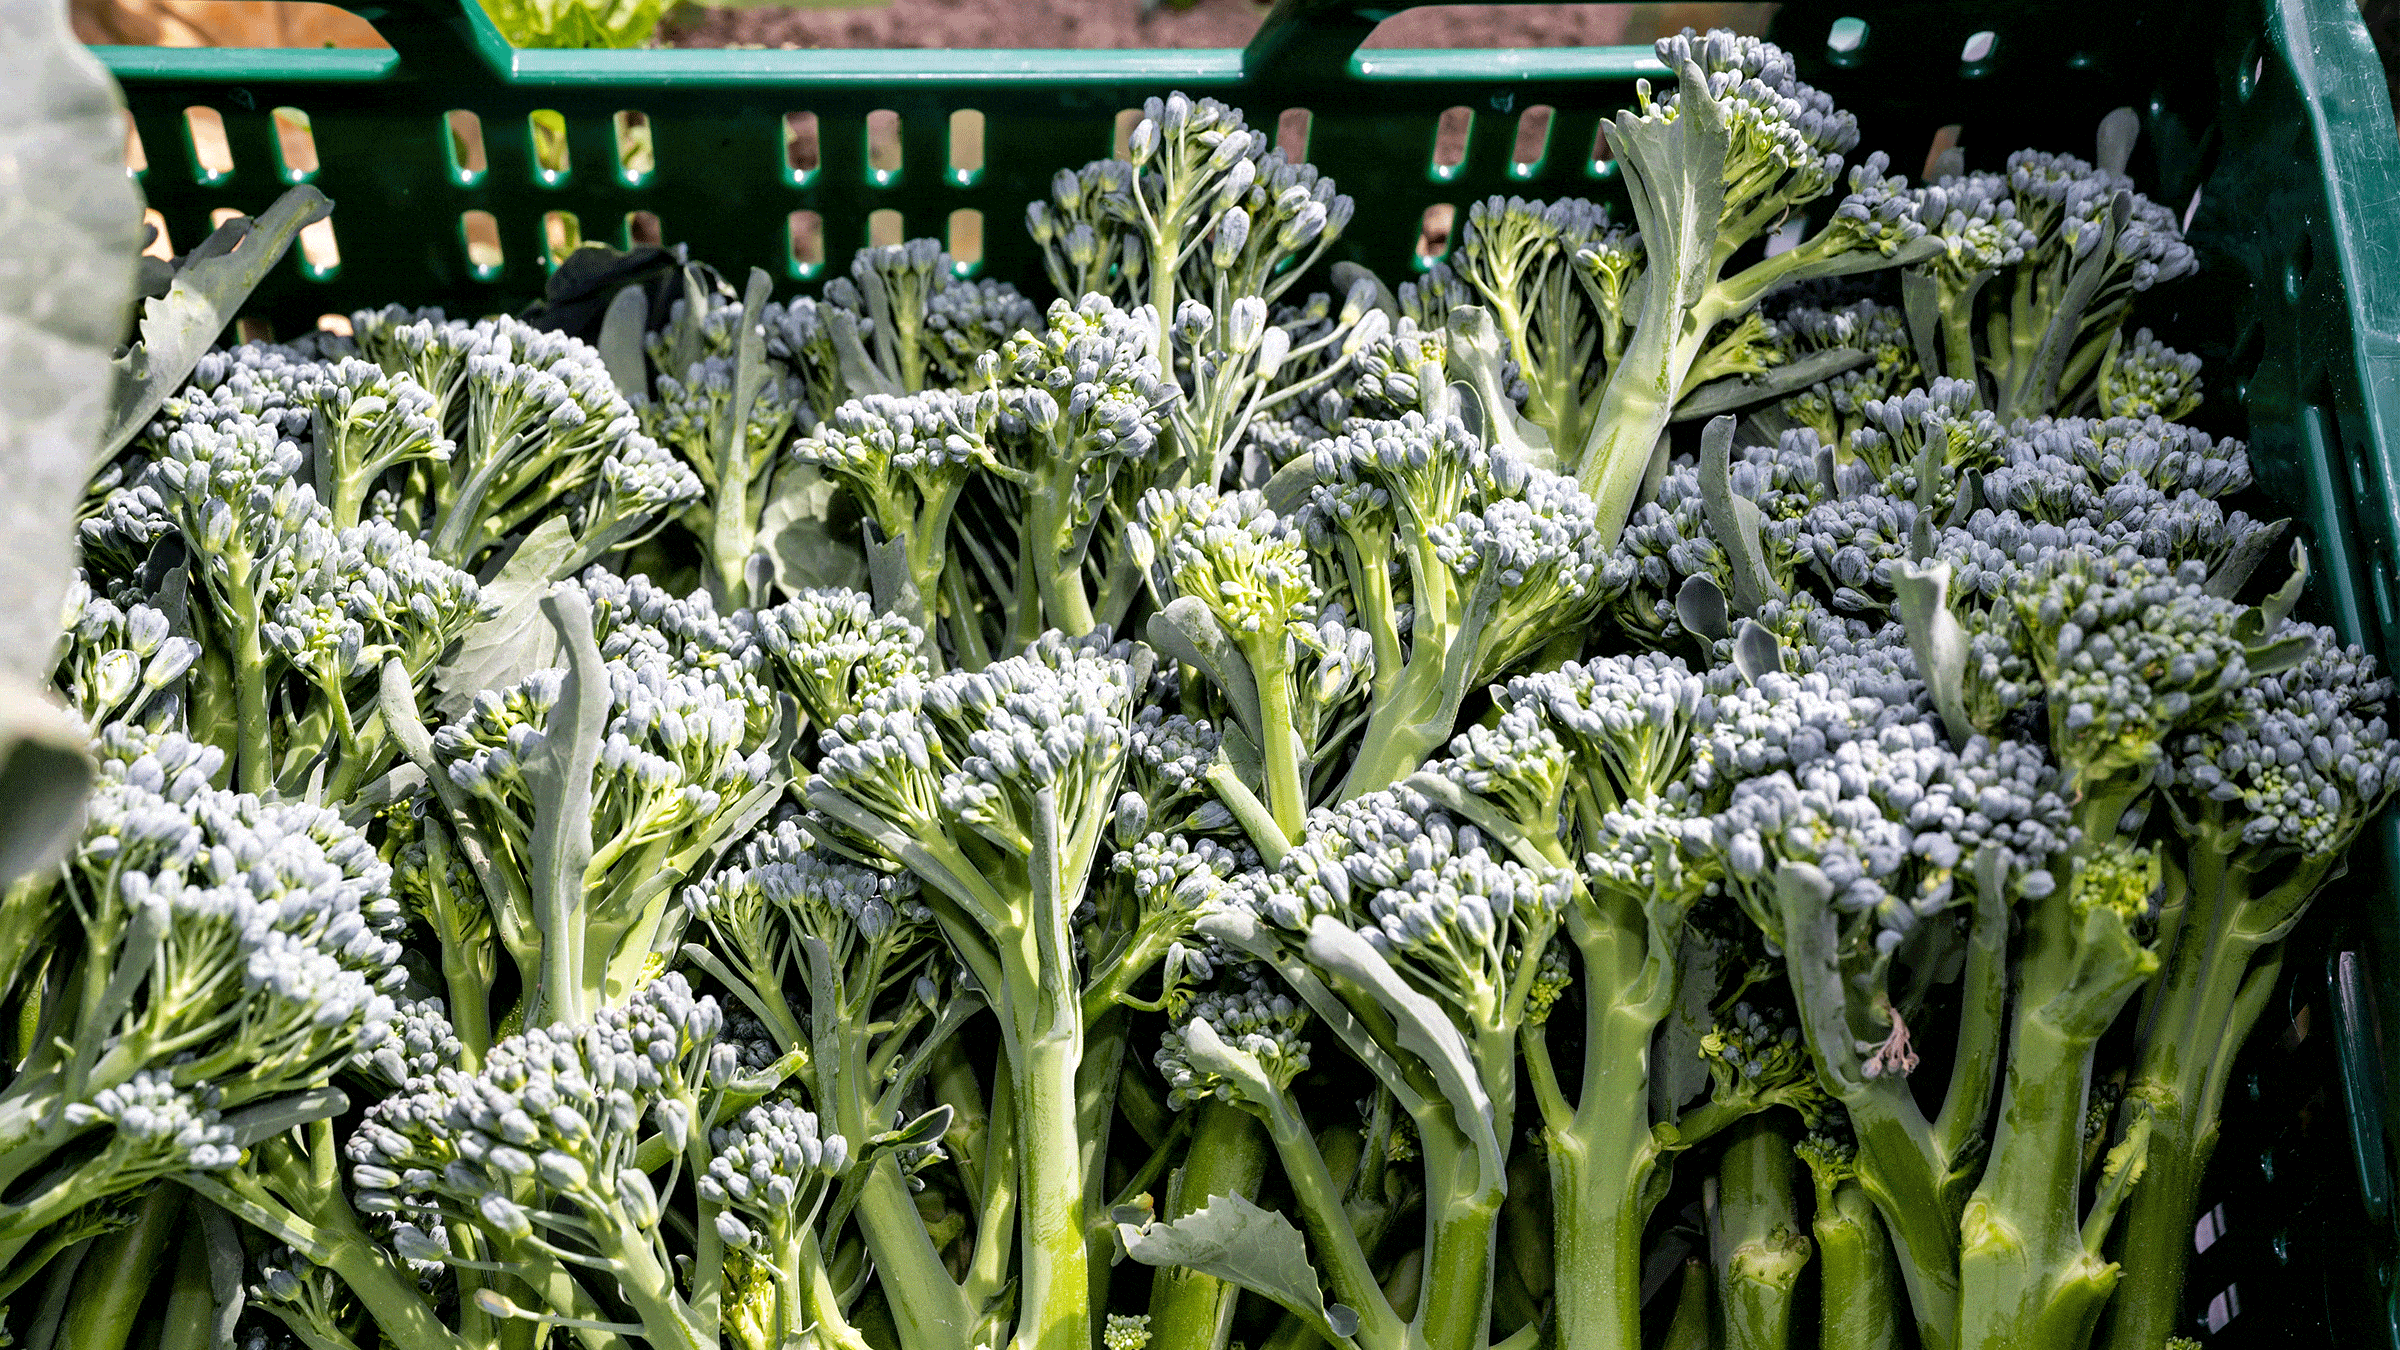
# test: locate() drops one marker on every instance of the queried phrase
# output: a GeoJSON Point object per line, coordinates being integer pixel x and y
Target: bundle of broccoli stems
{"type": "Point", "coordinates": [1674, 781]}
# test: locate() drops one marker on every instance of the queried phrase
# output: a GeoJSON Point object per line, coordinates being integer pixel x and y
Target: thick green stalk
{"type": "Point", "coordinates": [1097, 1074]}
{"type": "Point", "coordinates": [928, 553]}
{"type": "Point", "coordinates": [1227, 1156]}
{"type": "Point", "coordinates": [2214, 990]}
{"type": "Point", "coordinates": [1975, 1067]}
{"type": "Point", "coordinates": [1603, 1165]}
{"type": "Point", "coordinates": [1287, 790]}
{"type": "Point", "coordinates": [927, 1306]}
{"type": "Point", "coordinates": [254, 730]}
{"type": "Point", "coordinates": [1761, 1251]}
{"type": "Point", "coordinates": [1958, 341]}
{"type": "Point", "coordinates": [1690, 1328]}
{"type": "Point", "coordinates": [1055, 1311]}
{"type": "Point", "coordinates": [1333, 1236]}
{"type": "Point", "coordinates": [2156, 1247]}
{"type": "Point", "coordinates": [1422, 712]}
{"type": "Point", "coordinates": [648, 1288]}
{"type": "Point", "coordinates": [2025, 1280]}
{"type": "Point", "coordinates": [1858, 1300]}
{"type": "Point", "coordinates": [810, 1290]}
{"type": "Point", "coordinates": [1058, 577]}
{"type": "Point", "coordinates": [336, 1242]}
{"type": "Point", "coordinates": [1896, 1170]}
{"type": "Point", "coordinates": [1462, 1230]}
{"type": "Point", "coordinates": [2028, 1277]}
{"type": "Point", "coordinates": [191, 1297]}
{"type": "Point", "coordinates": [732, 534]}
{"type": "Point", "coordinates": [1633, 411]}
{"type": "Point", "coordinates": [118, 1275]}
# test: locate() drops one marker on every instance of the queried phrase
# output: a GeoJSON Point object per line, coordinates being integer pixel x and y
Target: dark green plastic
{"type": "Point", "coordinates": [2272, 111]}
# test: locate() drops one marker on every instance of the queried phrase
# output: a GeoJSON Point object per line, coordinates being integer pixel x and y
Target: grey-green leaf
{"type": "Point", "coordinates": [511, 641]}
{"type": "Point", "coordinates": [1736, 392]}
{"type": "Point", "coordinates": [621, 342]}
{"type": "Point", "coordinates": [179, 327]}
{"type": "Point", "coordinates": [1734, 520]}
{"type": "Point", "coordinates": [559, 773]}
{"type": "Point", "coordinates": [1474, 361]}
{"type": "Point", "coordinates": [1757, 652]}
{"type": "Point", "coordinates": [1423, 1029]}
{"type": "Point", "coordinates": [796, 531]}
{"type": "Point", "coordinates": [1242, 1244]}
{"type": "Point", "coordinates": [2119, 131]}
{"type": "Point", "coordinates": [1187, 631]}
{"type": "Point", "coordinates": [73, 221]}
{"type": "Point", "coordinates": [1936, 640]}
{"type": "Point", "coordinates": [44, 778]}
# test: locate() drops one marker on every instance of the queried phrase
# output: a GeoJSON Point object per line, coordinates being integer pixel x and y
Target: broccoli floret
{"type": "Point", "coordinates": [537, 1155]}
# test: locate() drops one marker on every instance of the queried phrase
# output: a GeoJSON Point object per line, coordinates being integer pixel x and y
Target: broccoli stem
{"type": "Point", "coordinates": [1603, 1166]}
{"type": "Point", "coordinates": [1056, 1311]}
{"type": "Point", "coordinates": [927, 1306]}
{"type": "Point", "coordinates": [191, 1299]}
{"type": "Point", "coordinates": [254, 730]}
{"type": "Point", "coordinates": [1760, 1250]}
{"type": "Point", "coordinates": [299, 1202]}
{"type": "Point", "coordinates": [1858, 1301]}
{"type": "Point", "coordinates": [2026, 1281]}
{"type": "Point", "coordinates": [1097, 1075]}
{"type": "Point", "coordinates": [1042, 1004]}
{"type": "Point", "coordinates": [2028, 1278]}
{"type": "Point", "coordinates": [1625, 430]}
{"type": "Point", "coordinates": [1690, 1329]}
{"type": "Point", "coordinates": [732, 534]}
{"type": "Point", "coordinates": [1900, 1172]}
{"type": "Point", "coordinates": [1227, 1156]}
{"type": "Point", "coordinates": [212, 716]}
{"type": "Point", "coordinates": [1445, 659]}
{"type": "Point", "coordinates": [2215, 988]}
{"type": "Point", "coordinates": [28, 908]}
{"type": "Point", "coordinates": [1958, 339]}
{"type": "Point", "coordinates": [1287, 791]}
{"type": "Point", "coordinates": [1333, 1234]}
{"type": "Point", "coordinates": [1055, 598]}
{"type": "Point", "coordinates": [812, 1299]}
{"type": "Point", "coordinates": [648, 1285]}
{"type": "Point", "coordinates": [1462, 1230]}
{"type": "Point", "coordinates": [118, 1274]}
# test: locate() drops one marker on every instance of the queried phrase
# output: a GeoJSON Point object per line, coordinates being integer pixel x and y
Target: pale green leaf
{"type": "Point", "coordinates": [1242, 1244]}
{"type": "Point", "coordinates": [512, 641]}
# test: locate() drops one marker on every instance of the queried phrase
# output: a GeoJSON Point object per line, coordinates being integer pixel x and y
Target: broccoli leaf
{"type": "Point", "coordinates": [621, 342]}
{"type": "Point", "coordinates": [1242, 1244]}
{"type": "Point", "coordinates": [514, 641]}
{"type": "Point", "coordinates": [560, 774]}
{"type": "Point", "coordinates": [74, 221]}
{"type": "Point", "coordinates": [44, 777]}
{"type": "Point", "coordinates": [179, 327]}
{"type": "Point", "coordinates": [1736, 392]}
{"type": "Point", "coordinates": [1939, 643]}
{"type": "Point", "coordinates": [796, 530]}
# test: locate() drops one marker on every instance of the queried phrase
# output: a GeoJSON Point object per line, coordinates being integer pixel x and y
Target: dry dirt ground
{"type": "Point", "coordinates": [1207, 23]}
{"type": "Point", "coordinates": [939, 23]}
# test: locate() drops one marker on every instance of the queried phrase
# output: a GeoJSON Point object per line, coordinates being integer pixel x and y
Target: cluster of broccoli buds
{"type": "Point", "coordinates": [832, 821]}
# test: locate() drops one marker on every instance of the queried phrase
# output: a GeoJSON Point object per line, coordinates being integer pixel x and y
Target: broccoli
{"type": "Point", "coordinates": [1412, 812]}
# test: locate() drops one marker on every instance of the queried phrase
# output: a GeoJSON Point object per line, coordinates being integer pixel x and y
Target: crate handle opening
{"type": "Point", "coordinates": [2354, 1027]}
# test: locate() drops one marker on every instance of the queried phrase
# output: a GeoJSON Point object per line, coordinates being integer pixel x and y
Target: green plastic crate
{"type": "Point", "coordinates": [2268, 117]}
